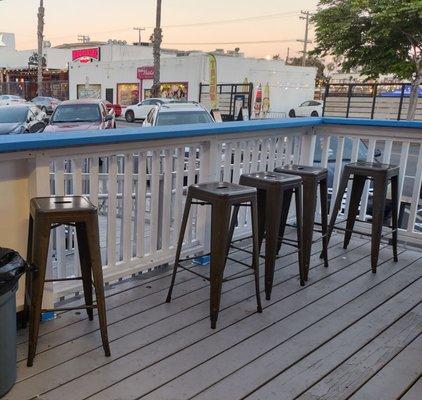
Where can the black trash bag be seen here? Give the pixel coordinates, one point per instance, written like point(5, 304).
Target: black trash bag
point(12, 267)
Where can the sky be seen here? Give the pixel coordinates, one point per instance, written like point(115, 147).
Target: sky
point(272, 20)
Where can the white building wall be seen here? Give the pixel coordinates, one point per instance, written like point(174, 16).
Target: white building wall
point(289, 86)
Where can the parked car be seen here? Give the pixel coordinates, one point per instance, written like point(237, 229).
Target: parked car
point(84, 114)
point(117, 108)
point(46, 104)
point(176, 113)
point(9, 99)
point(21, 118)
point(141, 110)
point(310, 108)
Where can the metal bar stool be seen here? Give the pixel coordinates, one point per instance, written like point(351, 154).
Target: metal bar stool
point(381, 175)
point(222, 197)
point(312, 177)
point(273, 188)
point(47, 213)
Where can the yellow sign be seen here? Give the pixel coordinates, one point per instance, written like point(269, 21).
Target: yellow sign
point(213, 81)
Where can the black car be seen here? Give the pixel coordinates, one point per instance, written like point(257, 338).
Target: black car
point(22, 118)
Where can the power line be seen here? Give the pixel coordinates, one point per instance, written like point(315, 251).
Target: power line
point(234, 42)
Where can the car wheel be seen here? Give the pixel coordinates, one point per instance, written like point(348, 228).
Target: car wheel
point(314, 114)
point(114, 126)
point(130, 116)
point(292, 113)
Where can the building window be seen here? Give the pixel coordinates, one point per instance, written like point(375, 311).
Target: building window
point(171, 90)
point(89, 91)
point(127, 93)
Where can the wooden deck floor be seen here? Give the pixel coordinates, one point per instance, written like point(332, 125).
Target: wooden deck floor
point(349, 334)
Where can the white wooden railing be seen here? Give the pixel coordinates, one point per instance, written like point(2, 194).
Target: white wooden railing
point(139, 185)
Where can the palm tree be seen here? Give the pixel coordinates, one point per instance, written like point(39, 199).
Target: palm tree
point(157, 39)
point(40, 34)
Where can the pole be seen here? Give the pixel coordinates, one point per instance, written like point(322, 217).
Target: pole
point(305, 15)
point(139, 33)
point(287, 55)
point(40, 34)
point(158, 37)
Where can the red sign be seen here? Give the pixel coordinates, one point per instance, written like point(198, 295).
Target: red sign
point(145, 73)
point(86, 55)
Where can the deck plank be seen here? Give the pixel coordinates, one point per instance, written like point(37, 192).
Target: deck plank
point(401, 372)
point(167, 351)
point(132, 346)
point(415, 392)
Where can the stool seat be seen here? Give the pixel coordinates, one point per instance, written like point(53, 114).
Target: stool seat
point(367, 168)
point(217, 190)
point(302, 170)
point(62, 204)
point(265, 179)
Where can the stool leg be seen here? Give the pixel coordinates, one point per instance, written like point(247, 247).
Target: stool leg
point(39, 253)
point(395, 209)
point(85, 261)
point(299, 229)
point(179, 244)
point(324, 219)
point(220, 220)
point(310, 193)
point(273, 210)
point(255, 252)
point(232, 227)
point(378, 207)
point(97, 273)
point(261, 199)
point(287, 198)
point(337, 205)
point(355, 196)
point(28, 275)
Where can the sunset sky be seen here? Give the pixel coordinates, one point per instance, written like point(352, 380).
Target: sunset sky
point(272, 20)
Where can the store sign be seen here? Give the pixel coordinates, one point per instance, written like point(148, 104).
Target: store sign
point(145, 73)
point(86, 55)
point(213, 81)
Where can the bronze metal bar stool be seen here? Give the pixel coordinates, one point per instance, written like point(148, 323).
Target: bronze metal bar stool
point(381, 175)
point(47, 213)
point(222, 196)
point(312, 177)
point(273, 188)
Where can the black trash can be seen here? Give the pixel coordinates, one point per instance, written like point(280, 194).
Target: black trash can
point(12, 266)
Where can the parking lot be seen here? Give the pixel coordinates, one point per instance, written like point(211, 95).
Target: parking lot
point(121, 123)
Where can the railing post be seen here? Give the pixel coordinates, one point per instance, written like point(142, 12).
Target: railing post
point(209, 171)
point(307, 148)
point(39, 186)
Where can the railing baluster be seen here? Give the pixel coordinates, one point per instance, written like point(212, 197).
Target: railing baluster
point(126, 240)
point(60, 231)
point(141, 204)
point(111, 211)
point(178, 201)
point(167, 194)
point(191, 181)
point(416, 195)
point(365, 195)
point(337, 170)
point(227, 162)
point(77, 191)
point(155, 198)
point(353, 158)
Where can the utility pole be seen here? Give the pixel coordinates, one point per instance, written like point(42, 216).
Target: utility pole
point(305, 15)
point(157, 39)
point(40, 34)
point(84, 39)
point(139, 33)
point(287, 56)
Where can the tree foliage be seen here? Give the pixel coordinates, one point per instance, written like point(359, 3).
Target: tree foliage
point(376, 36)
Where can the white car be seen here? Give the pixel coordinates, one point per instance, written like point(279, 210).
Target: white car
point(9, 99)
point(310, 108)
point(141, 110)
point(175, 113)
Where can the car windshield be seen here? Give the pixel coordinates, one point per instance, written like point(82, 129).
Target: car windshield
point(182, 117)
point(11, 115)
point(76, 113)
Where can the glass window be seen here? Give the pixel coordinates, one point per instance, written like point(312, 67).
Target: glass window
point(305, 104)
point(89, 91)
point(185, 117)
point(9, 115)
point(77, 113)
point(127, 94)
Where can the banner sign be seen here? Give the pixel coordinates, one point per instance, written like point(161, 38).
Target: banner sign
point(213, 81)
point(86, 55)
point(145, 72)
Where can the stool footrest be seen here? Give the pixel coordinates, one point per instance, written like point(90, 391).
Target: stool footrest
point(63, 279)
point(69, 308)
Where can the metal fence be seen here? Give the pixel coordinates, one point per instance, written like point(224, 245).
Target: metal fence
point(28, 90)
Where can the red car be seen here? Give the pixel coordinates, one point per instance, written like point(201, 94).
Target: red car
point(77, 115)
point(116, 107)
